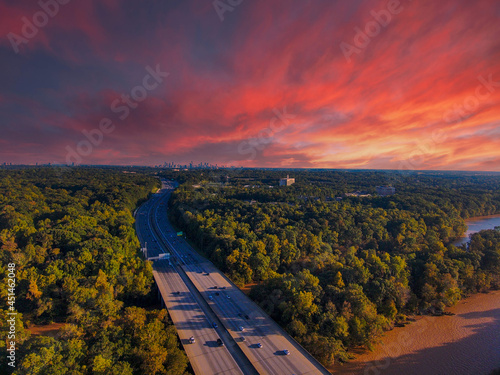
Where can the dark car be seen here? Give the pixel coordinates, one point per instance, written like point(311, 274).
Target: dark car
point(215, 325)
point(219, 342)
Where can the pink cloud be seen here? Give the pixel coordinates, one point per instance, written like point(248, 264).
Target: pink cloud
point(420, 74)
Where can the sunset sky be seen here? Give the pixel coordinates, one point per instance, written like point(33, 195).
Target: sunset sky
point(259, 83)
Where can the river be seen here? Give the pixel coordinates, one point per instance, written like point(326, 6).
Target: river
point(467, 343)
point(464, 344)
point(476, 224)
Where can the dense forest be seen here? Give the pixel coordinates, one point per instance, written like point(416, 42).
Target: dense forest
point(70, 233)
point(335, 269)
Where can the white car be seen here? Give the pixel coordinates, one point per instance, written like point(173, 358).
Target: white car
point(286, 352)
point(192, 340)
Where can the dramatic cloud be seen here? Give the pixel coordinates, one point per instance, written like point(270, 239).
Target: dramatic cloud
point(288, 83)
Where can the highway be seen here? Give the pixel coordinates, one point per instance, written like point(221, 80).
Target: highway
point(207, 296)
point(205, 355)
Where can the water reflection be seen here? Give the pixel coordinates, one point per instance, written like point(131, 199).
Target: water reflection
point(476, 224)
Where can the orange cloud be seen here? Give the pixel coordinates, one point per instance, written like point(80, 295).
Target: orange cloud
point(423, 93)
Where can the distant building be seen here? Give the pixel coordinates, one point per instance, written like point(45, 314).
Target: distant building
point(360, 194)
point(287, 181)
point(385, 190)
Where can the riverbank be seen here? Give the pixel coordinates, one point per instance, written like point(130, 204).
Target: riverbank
point(466, 343)
point(477, 224)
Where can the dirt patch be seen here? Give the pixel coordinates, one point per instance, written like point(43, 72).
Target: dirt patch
point(246, 289)
point(46, 329)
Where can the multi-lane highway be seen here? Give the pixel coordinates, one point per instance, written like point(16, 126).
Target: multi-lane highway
point(205, 354)
point(201, 298)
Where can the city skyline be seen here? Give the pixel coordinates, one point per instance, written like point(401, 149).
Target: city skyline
point(400, 85)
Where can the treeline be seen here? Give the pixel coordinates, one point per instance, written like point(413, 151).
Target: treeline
point(70, 233)
point(337, 272)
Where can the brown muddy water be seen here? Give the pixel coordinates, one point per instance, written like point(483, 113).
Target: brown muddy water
point(467, 343)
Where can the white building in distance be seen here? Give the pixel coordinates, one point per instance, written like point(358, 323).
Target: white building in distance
point(385, 190)
point(287, 181)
